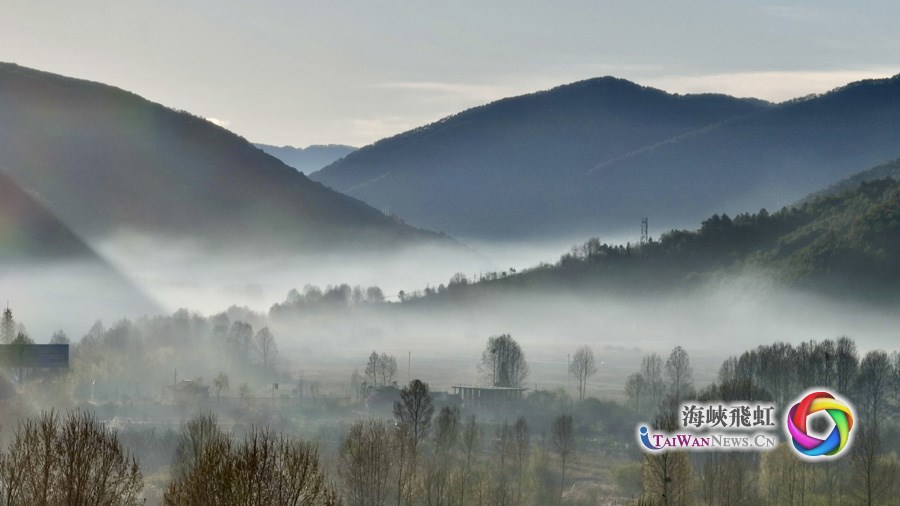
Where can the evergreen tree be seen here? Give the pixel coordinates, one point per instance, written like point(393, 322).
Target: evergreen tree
point(7, 327)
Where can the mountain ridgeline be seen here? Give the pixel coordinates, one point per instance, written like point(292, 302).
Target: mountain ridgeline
point(846, 243)
point(308, 159)
point(595, 156)
point(883, 171)
point(106, 160)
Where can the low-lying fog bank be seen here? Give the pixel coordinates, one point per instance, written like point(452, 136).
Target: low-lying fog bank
point(441, 339)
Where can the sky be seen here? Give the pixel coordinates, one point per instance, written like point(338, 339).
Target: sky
point(352, 72)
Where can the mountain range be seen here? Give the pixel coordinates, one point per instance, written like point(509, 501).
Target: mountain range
point(308, 159)
point(596, 156)
point(104, 161)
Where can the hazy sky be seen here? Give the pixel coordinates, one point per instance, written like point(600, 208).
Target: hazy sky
point(300, 73)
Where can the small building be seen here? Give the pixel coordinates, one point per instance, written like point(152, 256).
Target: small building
point(189, 391)
point(34, 356)
point(481, 397)
point(31, 360)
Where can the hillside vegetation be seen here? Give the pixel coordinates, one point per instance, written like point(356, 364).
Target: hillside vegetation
point(846, 243)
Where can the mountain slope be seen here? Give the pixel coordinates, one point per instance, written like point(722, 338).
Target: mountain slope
point(108, 160)
point(847, 243)
point(769, 159)
point(51, 276)
point(886, 170)
point(308, 159)
point(594, 157)
point(508, 168)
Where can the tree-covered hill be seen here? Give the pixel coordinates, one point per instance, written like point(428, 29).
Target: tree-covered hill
point(108, 160)
point(886, 170)
point(847, 242)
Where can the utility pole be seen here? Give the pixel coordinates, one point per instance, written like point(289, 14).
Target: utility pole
point(409, 366)
point(568, 368)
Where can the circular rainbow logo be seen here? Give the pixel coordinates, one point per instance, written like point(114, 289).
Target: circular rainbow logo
point(811, 446)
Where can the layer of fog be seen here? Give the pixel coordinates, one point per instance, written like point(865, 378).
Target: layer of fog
point(722, 318)
point(70, 297)
point(441, 341)
point(187, 275)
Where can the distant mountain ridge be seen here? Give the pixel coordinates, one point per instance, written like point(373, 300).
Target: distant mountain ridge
point(107, 160)
point(594, 157)
point(308, 159)
point(506, 169)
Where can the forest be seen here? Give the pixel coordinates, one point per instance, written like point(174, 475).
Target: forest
point(375, 440)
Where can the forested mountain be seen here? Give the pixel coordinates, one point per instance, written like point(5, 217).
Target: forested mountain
point(846, 243)
point(511, 168)
point(308, 159)
point(769, 159)
point(594, 157)
point(885, 170)
point(105, 160)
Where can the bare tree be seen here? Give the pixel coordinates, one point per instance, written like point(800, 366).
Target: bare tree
point(76, 461)
point(372, 369)
point(59, 337)
point(875, 475)
point(678, 369)
point(564, 444)
point(244, 394)
point(263, 469)
point(220, 384)
point(635, 388)
point(503, 363)
point(197, 436)
point(471, 442)
point(521, 443)
point(241, 337)
point(413, 413)
point(667, 475)
point(414, 410)
point(582, 367)
point(727, 479)
point(366, 463)
point(783, 477)
point(873, 386)
point(652, 371)
point(446, 437)
point(846, 364)
point(501, 493)
point(387, 368)
point(265, 341)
